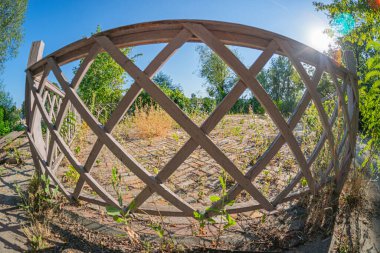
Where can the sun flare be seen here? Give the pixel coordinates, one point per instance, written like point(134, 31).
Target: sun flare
point(319, 40)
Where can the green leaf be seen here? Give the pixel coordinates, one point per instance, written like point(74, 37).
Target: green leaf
point(118, 219)
point(214, 198)
point(111, 210)
point(197, 215)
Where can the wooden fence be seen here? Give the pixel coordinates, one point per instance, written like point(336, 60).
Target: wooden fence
point(48, 105)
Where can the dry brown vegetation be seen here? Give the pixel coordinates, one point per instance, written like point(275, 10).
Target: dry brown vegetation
point(152, 122)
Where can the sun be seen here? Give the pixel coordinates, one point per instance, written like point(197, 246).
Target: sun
point(319, 40)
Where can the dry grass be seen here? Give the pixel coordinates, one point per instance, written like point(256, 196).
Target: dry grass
point(37, 234)
point(152, 122)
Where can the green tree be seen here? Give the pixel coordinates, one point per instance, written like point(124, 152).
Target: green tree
point(356, 26)
point(164, 80)
point(353, 23)
point(9, 114)
point(219, 77)
point(370, 106)
point(12, 13)
point(103, 85)
point(282, 83)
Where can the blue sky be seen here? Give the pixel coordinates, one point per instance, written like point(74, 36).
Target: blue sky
point(58, 23)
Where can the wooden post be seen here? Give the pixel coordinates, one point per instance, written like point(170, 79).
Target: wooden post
point(353, 118)
point(35, 55)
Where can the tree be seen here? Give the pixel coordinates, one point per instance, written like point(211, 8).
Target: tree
point(102, 86)
point(282, 83)
point(9, 114)
point(362, 38)
point(219, 77)
point(166, 84)
point(354, 23)
point(12, 14)
point(164, 80)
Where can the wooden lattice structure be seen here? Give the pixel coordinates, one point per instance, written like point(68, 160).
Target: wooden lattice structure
point(51, 105)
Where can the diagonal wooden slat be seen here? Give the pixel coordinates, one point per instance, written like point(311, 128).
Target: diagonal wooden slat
point(181, 118)
point(130, 97)
point(208, 125)
point(209, 39)
point(63, 110)
point(66, 150)
point(114, 146)
point(279, 198)
point(315, 97)
point(42, 107)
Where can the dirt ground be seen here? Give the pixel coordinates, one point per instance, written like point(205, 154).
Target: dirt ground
point(86, 228)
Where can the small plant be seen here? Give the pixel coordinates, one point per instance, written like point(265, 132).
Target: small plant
point(203, 217)
point(77, 150)
point(236, 131)
point(38, 202)
point(176, 137)
point(157, 228)
point(71, 176)
point(39, 198)
point(303, 182)
point(121, 214)
point(37, 235)
point(116, 184)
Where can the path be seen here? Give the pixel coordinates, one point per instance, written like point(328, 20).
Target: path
point(12, 238)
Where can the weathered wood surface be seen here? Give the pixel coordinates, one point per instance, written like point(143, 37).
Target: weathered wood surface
point(47, 157)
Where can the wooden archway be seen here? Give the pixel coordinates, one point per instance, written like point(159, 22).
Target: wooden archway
point(216, 35)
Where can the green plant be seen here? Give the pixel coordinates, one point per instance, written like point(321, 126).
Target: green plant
point(176, 137)
point(77, 150)
point(236, 131)
point(157, 228)
point(39, 198)
point(71, 175)
point(119, 214)
point(38, 201)
point(303, 182)
point(369, 108)
point(203, 217)
point(37, 234)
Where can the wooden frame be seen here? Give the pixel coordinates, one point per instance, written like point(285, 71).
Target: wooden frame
point(216, 35)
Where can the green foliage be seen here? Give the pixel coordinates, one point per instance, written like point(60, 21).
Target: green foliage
point(39, 198)
point(366, 28)
point(370, 106)
point(9, 114)
point(204, 219)
point(363, 40)
point(282, 83)
point(12, 14)
point(218, 75)
point(102, 86)
point(71, 175)
point(364, 15)
point(120, 215)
